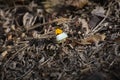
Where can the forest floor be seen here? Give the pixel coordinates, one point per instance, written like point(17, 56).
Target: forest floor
point(29, 49)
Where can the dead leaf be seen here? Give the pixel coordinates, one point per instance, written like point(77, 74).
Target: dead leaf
point(51, 5)
point(94, 20)
point(93, 39)
point(4, 53)
point(2, 13)
point(79, 3)
point(32, 5)
point(61, 20)
point(23, 35)
point(28, 20)
point(7, 30)
point(13, 27)
point(9, 37)
point(117, 40)
point(84, 25)
point(99, 11)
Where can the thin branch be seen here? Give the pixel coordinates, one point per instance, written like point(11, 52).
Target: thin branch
point(97, 28)
point(51, 22)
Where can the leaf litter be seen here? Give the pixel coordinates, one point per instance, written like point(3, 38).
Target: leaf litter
point(28, 46)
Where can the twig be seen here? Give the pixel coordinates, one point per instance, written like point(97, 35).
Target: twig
point(39, 24)
point(43, 36)
point(28, 72)
point(49, 59)
point(111, 64)
point(31, 69)
point(14, 55)
point(97, 28)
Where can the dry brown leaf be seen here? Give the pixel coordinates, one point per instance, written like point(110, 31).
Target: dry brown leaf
point(13, 27)
point(117, 40)
point(79, 3)
point(93, 39)
point(84, 25)
point(28, 20)
point(86, 70)
point(88, 40)
point(61, 20)
point(9, 37)
point(23, 35)
point(99, 11)
point(4, 53)
point(51, 5)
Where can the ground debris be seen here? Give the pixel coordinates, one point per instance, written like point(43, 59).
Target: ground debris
point(29, 49)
